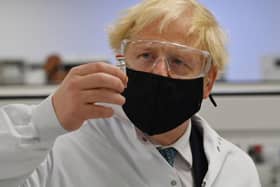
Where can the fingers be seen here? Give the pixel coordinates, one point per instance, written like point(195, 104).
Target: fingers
point(88, 111)
point(85, 85)
point(97, 67)
point(102, 95)
point(101, 80)
point(97, 111)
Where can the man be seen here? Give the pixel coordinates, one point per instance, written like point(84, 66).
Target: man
point(172, 51)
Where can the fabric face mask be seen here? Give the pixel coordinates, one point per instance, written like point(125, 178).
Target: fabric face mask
point(157, 104)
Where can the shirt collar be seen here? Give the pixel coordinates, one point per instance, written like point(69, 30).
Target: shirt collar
point(182, 145)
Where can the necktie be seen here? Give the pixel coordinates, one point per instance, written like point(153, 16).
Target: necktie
point(169, 154)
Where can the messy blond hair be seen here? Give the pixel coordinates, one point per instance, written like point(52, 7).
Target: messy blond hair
point(201, 26)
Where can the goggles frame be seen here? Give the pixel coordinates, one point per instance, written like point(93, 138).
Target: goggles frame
point(206, 54)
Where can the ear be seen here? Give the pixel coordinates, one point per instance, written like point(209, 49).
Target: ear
point(209, 81)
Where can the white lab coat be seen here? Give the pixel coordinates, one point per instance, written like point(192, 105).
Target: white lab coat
point(104, 152)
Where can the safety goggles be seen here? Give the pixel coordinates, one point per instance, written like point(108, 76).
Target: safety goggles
point(182, 62)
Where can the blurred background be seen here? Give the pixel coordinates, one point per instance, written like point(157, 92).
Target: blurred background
point(41, 40)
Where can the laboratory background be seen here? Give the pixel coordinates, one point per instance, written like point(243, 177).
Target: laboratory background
point(40, 41)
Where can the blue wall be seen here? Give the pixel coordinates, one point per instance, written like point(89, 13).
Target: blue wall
point(253, 27)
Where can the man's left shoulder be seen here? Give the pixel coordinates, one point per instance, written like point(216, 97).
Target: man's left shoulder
point(239, 166)
point(238, 158)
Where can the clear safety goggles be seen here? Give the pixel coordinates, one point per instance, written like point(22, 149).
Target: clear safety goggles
point(182, 62)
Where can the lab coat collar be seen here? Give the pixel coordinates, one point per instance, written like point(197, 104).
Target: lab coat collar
point(215, 147)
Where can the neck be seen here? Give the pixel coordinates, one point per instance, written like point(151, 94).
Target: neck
point(171, 136)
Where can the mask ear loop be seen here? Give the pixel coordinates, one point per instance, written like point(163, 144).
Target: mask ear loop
point(210, 96)
point(212, 100)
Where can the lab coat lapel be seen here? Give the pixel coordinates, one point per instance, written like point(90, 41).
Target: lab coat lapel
point(215, 148)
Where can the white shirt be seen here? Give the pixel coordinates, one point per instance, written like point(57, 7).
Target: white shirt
point(183, 160)
point(104, 152)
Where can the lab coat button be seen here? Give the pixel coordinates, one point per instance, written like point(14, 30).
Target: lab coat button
point(173, 183)
point(203, 184)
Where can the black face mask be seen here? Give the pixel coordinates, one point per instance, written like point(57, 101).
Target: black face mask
point(157, 104)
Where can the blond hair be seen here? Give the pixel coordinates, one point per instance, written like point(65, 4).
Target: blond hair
point(201, 26)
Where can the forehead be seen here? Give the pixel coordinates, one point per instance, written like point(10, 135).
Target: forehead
point(172, 32)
